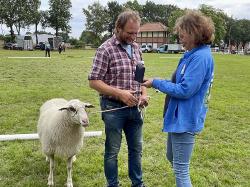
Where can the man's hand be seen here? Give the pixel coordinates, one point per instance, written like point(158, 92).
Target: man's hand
point(127, 97)
point(147, 83)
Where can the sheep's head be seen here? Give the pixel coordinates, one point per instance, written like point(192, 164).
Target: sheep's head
point(76, 111)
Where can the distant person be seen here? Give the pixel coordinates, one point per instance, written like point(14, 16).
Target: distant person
point(63, 46)
point(60, 48)
point(188, 92)
point(47, 49)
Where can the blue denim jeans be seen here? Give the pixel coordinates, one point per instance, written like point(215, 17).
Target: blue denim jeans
point(179, 151)
point(128, 120)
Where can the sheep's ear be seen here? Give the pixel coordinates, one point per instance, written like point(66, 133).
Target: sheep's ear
point(64, 108)
point(88, 105)
point(70, 108)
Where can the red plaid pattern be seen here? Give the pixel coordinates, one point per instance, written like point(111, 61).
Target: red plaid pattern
point(114, 67)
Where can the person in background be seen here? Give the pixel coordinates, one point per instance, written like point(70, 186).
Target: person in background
point(63, 46)
point(112, 75)
point(47, 49)
point(60, 48)
point(188, 92)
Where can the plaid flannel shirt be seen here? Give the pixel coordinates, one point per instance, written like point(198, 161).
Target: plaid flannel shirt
point(114, 66)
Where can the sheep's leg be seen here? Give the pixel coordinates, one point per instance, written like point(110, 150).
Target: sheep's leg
point(69, 171)
point(74, 158)
point(51, 169)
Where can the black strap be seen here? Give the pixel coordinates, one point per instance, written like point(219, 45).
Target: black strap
point(167, 98)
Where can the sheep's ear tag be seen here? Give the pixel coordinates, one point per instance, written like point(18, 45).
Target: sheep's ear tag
point(88, 105)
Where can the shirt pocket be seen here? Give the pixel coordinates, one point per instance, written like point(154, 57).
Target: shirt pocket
point(121, 67)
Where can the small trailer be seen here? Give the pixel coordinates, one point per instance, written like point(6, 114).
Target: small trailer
point(55, 42)
point(24, 42)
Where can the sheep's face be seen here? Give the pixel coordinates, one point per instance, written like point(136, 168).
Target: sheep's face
point(77, 113)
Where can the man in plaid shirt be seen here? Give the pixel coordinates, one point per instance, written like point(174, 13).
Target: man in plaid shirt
point(112, 75)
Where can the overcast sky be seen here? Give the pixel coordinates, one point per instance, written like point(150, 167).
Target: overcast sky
point(238, 9)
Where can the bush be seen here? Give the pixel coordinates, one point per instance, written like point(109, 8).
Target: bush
point(6, 38)
point(77, 43)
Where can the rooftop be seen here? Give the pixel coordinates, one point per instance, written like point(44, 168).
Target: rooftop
point(153, 27)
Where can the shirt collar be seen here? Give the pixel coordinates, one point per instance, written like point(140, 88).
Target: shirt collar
point(117, 42)
point(188, 53)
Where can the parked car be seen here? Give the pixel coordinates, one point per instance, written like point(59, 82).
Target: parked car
point(41, 46)
point(10, 45)
point(247, 52)
point(146, 48)
point(37, 46)
point(233, 51)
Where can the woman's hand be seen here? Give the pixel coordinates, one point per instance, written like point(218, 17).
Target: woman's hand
point(147, 83)
point(143, 101)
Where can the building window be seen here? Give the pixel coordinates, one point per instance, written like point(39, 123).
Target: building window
point(160, 34)
point(155, 34)
point(150, 34)
point(144, 34)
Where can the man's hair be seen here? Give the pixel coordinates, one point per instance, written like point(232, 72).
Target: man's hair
point(124, 17)
point(196, 24)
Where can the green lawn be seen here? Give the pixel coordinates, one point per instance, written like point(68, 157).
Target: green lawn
point(222, 152)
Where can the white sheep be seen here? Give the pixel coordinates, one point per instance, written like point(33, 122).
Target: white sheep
point(60, 129)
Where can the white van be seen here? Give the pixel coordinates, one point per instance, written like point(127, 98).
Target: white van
point(170, 48)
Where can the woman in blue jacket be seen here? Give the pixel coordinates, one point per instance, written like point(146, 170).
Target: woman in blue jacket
point(188, 92)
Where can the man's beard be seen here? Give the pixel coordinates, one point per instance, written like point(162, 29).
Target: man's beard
point(125, 42)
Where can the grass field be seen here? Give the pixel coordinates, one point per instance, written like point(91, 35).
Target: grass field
point(222, 152)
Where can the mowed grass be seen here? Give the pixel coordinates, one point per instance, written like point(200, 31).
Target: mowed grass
point(222, 151)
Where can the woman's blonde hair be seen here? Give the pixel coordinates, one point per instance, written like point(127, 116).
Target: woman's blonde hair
point(124, 17)
point(196, 24)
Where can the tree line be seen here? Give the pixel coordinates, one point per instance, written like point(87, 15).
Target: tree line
point(17, 14)
point(101, 21)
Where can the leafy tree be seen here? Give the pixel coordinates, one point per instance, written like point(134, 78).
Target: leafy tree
point(26, 13)
point(36, 20)
point(76, 43)
point(1, 37)
point(34, 16)
point(8, 14)
point(152, 12)
point(235, 33)
point(59, 15)
point(96, 19)
point(21, 15)
point(171, 23)
point(133, 5)
point(113, 10)
point(73, 41)
point(218, 17)
point(89, 37)
point(44, 19)
point(245, 31)
point(64, 35)
point(229, 23)
point(17, 13)
point(239, 32)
